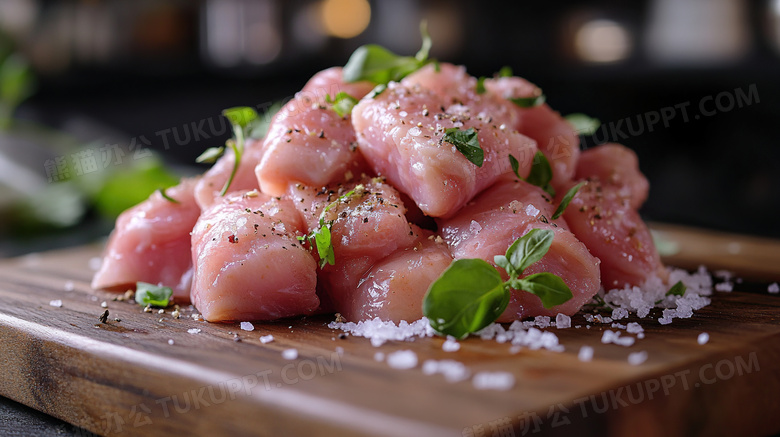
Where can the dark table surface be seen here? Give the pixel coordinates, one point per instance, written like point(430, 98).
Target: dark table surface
point(17, 420)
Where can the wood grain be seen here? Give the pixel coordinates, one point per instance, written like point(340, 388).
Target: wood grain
point(124, 378)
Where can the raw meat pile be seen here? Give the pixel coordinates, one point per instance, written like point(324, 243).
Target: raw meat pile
point(416, 203)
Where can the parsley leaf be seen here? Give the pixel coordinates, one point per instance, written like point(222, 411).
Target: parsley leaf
point(240, 118)
point(154, 295)
point(677, 289)
point(210, 155)
point(505, 71)
point(583, 124)
point(567, 199)
point(467, 143)
point(342, 104)
point(470, 294)
point(166, 196)
point(481, 85)
point(321, 237)
point(528, 102)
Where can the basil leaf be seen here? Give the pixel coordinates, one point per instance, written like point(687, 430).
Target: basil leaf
point(481, 85)
point(468, 296)
point(677, 289)
point(467, 143)
point(210, 155)
point(376, 64)
point(548, 287)
point(342, 104)
point(583, 124)
point(324, 246)
point(566, 199)
point(515, 166)
point(154, 295)
point(166, 196)
point(529, 248)
point(240, 116)
point(503, 262)
point(541, 173)
point(528, 102)
point(505, 71)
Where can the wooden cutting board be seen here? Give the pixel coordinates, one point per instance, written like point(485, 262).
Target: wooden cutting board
point(147, 375)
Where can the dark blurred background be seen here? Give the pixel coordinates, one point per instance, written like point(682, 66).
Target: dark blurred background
point(118, 97)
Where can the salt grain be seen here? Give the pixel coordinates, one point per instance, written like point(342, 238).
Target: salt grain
point(403, 359)
point(634, 328)
point(773, 288)
point(450, 345)
point(453, 371)
point(637, 358)
point(493, 381)
point(170, 341)
point(290, 354)
point(247, 326)
point(562, 321)
point(615, 338)
point(379, 332)
point(379, 356)
point(69, 286)
point(266, 339)
point(542, 321)
point(585, 354)
point(193, 331)
point(619, 313)
point(703, 338)
point(55, 303)
point(724, 287)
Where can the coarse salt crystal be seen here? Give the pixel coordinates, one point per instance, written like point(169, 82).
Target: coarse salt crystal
point(703, 338)
point(773, 288)
point(724, 286)
point(450, 345)
point(475, 227)
point(403, 359)
point(170, 341)
point(637, 358)
point(562, 321)
point(531, 210)
point(615, 338)
point(247, 326)
point(290, 354)
point(453, 371)
point(585, 354)
point(619, 313)
point(69, 286)
point(193, 331)
point(379, 331)
point(542, 321)
point(55, 303)
point(266, 339)
point(634, 328)
point(379, 356)
point(493, 381)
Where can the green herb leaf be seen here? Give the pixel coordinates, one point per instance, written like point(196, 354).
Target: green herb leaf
point(322, 239)
point(240, 117)
point(481, 85)
point(529, 249)
point(583, 124)
point(566, 199)
point(528, 102)
point(16, 84)
point(210, 155)
point(677, 289)
point(467, 143)
point(515, 165)
point(541, 173)
point(505, 71)
point(375, 63)
point(468, 296)
point(379, 89)
point(166, 196)
point(342, 104)
point(154, 295)
point(548, 287)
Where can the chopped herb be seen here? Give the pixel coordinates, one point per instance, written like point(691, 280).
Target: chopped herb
point(470, 294)
point(210, 155)
point(166, 196)
point(515, 165)
point(481, 85)
point(375, 63)
point(240, 118)
point(467, 143)
point(379, 89)
point(321, 237)
point(149, 294)
point(677, 289)
point(505, 71)
point(566, 199)
point(528, 102)
point(540, 174)
point(583, 124)
point(342, 104)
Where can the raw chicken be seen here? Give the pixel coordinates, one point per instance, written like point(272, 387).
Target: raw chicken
point(617, 167)
point(249, 264)
point(505, 212)
point(401, 133)
point(211, 183)
point(151, 243)
point(308, 142)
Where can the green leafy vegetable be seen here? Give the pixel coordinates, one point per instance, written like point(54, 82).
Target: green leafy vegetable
point(321, 237)
point(376, 64)
point(210, 155)
point(481, 85)
point(566, 200)
point(342, 104)
point(540, 174)
point(677, 289)
point(166, 196)
point(583, 124)
point(467, 143)
point(16, 84)
point(125, 187)
point(240, 118)
point(154, 295)
point(528, 102)
point(505, 71)
point(470, 294)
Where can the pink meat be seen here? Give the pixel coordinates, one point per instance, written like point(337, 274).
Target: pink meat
point(400, 133)
point(308, 142)
point(554, 136)
point(151, 243)
point(507, 211)
point(211, 183)
point(617, 167)
point(248, 262)
point(616, 234)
